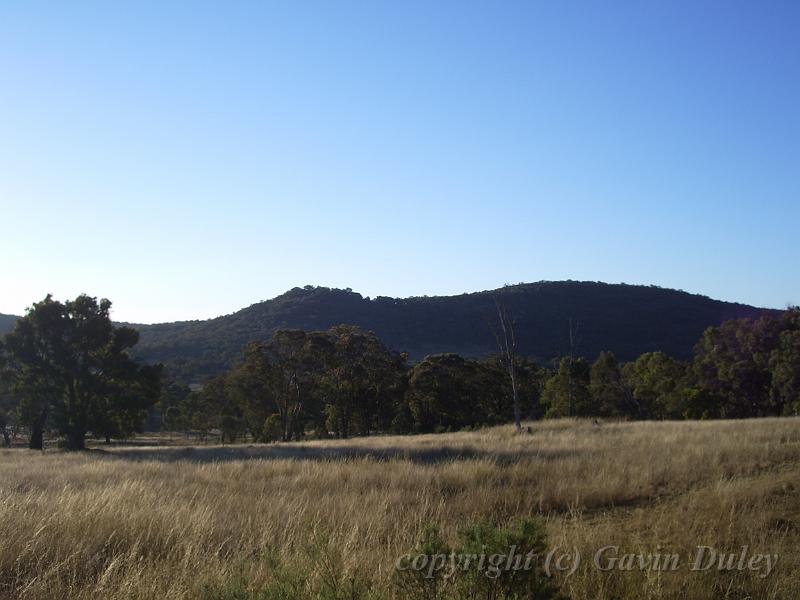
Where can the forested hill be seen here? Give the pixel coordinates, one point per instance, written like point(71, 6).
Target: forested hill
point(6, 323)
point(627, 319)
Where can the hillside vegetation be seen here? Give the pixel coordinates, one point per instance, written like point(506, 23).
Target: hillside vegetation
point(625, 319)
point(66, 369)
point(329, 519)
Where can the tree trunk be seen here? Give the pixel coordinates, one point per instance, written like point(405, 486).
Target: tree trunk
point(36, 441)
point(76, 426)
point(76, 440)
point(285, 429)
point(507, 345)
point(515, 396)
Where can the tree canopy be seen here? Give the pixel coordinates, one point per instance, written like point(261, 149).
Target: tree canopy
point(68, 365)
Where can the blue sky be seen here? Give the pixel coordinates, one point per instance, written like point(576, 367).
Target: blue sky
point(189, 159)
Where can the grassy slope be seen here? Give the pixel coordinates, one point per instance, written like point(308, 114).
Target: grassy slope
point(147, 523)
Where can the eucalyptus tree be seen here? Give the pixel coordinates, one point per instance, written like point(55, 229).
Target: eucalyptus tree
point(69, 365)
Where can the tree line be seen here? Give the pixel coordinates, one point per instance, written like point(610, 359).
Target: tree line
point(344, 382)
point(66, 368)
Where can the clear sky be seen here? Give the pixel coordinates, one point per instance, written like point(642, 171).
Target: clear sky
point(189, 159)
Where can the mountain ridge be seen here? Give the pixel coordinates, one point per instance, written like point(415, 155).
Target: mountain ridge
point(627, 319)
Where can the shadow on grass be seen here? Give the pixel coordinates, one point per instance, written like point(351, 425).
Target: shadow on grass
point(330, 454)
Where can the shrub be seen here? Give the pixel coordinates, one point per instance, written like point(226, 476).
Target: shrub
point(490, 562)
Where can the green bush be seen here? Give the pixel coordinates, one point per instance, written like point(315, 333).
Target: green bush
point(273, 429)
point(422, 584)
point(490, 563)
point(317, 573)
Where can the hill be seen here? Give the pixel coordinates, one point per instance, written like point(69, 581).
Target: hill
point(6, 323)
point(627, 319)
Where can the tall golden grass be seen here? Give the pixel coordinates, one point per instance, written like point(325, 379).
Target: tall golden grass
point(186, 522)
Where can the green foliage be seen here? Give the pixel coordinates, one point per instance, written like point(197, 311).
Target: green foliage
point(446, 392)
point(170, 404)
point(785, 368)
point(67, 367)
point(566, 394)
point(751, 368)
point(273, 430)
point(224, 409)
point(531, 379)
point(276, 379)
point(784, 365)
point(610, 396)
point(343, 381)
point(425, 583)
point(490, 562)
point(442, 392)
point(659, 386)
point(6, 411)
point(68, 364)
point(234, 587)
point(359, 378)
point(318, 572)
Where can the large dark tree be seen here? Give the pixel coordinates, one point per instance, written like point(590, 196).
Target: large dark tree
point(68, 363)
point(171, 404)
point(751, 368)
point(659, 386)
point(784, 363)
point(732, 363)
point(447, 392)
point(274, 382)
point(610, 396)
point(28, 356)
point(359, 381)
point(222, 408)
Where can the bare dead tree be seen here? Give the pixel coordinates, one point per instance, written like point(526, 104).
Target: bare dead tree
point(507, 346)
point(573, 342)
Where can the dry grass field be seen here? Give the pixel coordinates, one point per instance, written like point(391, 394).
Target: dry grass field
point(330, 518)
